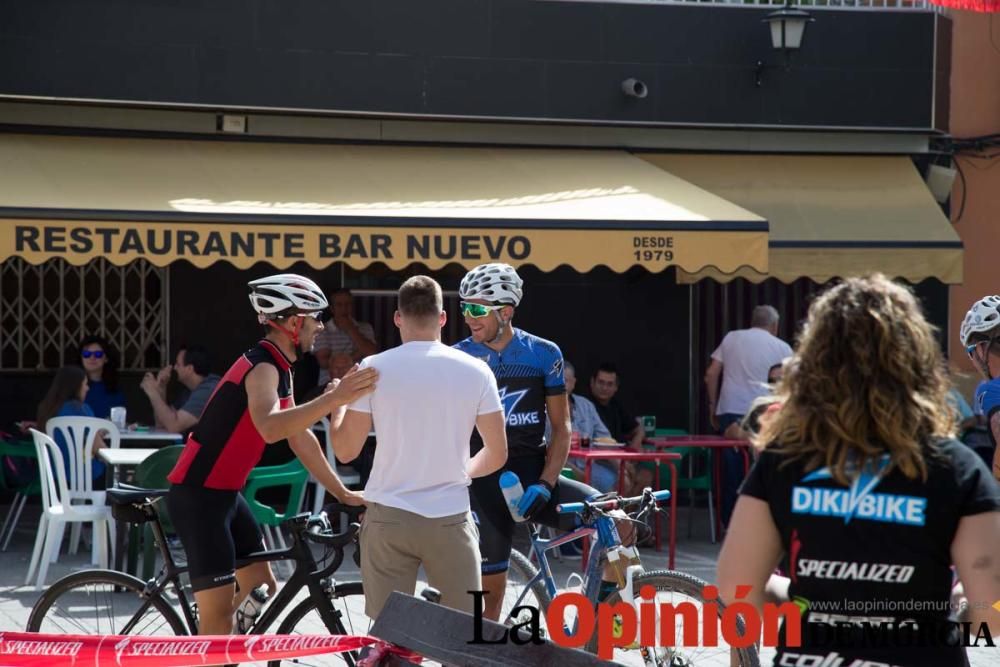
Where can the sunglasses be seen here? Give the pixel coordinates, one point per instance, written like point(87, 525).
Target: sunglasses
point(96, 354)
point(477, 310)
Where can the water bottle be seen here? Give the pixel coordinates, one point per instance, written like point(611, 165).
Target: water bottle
point(248, 612)
point(510, 486)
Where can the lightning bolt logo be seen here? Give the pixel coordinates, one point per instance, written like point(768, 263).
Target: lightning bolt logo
point(862, 486)
point(510, 400)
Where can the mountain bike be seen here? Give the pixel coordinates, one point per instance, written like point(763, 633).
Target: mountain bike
point(529, 586)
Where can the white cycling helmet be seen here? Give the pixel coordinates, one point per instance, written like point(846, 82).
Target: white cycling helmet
point(497, 283)
point(984, 316)
point(285, 294)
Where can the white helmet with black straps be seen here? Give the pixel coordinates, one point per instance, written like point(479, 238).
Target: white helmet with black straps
point(983, 317)
point(285, 294)
point(496, 283)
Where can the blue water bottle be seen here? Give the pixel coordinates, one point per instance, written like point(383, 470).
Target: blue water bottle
point(510, 486)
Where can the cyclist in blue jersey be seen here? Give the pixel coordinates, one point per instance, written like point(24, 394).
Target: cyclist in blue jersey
point(980, 333)
point(529, 372)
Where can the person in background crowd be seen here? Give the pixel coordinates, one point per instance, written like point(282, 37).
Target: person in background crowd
point(66, 398)
point(429, 400)
point(342, 333)
point(862, 485)
point(585, 422)
point(742, 361)
point(193, 367)
point(604, 385)
point(979, 333)
point(102, 375)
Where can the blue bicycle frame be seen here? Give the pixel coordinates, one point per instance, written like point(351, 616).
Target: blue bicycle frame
point(607, 537)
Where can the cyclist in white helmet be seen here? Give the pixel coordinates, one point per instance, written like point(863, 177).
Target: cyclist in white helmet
point(252, 405)
point(980, 334)
point(529, 372)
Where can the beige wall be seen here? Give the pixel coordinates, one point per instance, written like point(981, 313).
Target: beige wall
point(975, 111)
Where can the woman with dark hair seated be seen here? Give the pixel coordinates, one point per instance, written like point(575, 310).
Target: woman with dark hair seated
point(65, 398)
point(98, 360)
point(862, 485)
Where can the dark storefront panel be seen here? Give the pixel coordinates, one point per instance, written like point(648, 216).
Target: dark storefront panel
point(482, 58)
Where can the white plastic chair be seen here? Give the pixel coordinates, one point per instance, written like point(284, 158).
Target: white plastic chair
point(348, 475)
point(79, 433)
point(58, 510)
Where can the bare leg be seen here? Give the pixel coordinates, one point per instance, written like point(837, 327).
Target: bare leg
point(494, 586)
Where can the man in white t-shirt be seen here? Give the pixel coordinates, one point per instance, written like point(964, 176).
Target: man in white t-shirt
point(428, 400)
point(742, 360)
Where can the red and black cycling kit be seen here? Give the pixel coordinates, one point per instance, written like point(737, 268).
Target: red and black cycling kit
point(209, 514)
point(225, 446)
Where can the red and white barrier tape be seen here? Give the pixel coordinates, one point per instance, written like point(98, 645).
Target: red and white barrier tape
point(27, 649)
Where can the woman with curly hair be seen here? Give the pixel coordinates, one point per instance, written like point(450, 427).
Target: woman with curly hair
point(863, 488)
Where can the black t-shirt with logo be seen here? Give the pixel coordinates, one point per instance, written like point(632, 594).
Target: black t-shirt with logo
point(876, 552)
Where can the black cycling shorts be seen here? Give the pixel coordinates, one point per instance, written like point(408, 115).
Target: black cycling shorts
point(216, 527)
point(496, 525)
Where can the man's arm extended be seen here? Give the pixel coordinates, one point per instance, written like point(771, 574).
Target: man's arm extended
point(305, 446)
point(275, 424)
point(557, 452)
point(493, 455)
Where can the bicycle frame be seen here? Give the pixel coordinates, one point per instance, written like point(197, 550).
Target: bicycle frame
point(305, 575)
point(606, 537)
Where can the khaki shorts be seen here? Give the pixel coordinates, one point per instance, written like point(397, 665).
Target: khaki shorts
point(395, 543)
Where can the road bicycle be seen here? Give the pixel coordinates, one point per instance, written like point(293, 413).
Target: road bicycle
point(97, 601)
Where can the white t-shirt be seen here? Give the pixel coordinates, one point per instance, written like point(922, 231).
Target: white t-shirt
point(424, 409)
point(746, 356)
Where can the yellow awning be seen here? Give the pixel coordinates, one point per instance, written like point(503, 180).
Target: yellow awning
point(830, 216)
point(244, 202)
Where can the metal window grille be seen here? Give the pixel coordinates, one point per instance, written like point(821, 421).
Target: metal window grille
point(46, 309)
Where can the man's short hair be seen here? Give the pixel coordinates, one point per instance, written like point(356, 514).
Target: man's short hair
point(341, 290)
point(764, 316)
point(569, 367)
point(197, 356)
point(420, 297)
point(608, 367)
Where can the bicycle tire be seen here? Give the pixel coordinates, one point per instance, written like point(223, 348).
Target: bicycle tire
point(45, 616)
point(670, 581)
point(520, 563)
point(297, 618)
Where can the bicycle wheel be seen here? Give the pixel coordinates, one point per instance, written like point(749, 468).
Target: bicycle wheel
point(103, 602)
point(521, 571)
point(676, 588)
point(348, 599)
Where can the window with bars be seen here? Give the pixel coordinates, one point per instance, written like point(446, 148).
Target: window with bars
point(45, 310)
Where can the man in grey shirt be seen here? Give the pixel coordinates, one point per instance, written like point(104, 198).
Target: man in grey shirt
point(193, 367)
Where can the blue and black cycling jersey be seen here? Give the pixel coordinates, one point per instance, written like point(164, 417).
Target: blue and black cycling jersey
point(988, 401)
point(528, 370)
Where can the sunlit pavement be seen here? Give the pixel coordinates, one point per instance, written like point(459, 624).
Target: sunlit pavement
point(695, 556)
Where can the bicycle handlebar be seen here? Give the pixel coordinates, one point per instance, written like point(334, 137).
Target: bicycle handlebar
point(659, 497)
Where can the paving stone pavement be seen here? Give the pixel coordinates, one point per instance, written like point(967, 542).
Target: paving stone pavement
point(696, 556)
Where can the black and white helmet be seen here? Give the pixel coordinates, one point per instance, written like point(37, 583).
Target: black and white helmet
point(285, 294)
point(496, 283)
point(984, 316)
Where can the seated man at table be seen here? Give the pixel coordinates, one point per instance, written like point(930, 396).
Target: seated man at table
point(623, 426)
point(193, 367)
point(585, 422)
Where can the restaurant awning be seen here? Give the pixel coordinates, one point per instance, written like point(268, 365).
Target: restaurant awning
point(243, 202)
point(830, 216)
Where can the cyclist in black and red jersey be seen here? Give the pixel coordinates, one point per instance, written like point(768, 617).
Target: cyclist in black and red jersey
point(252, 406)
